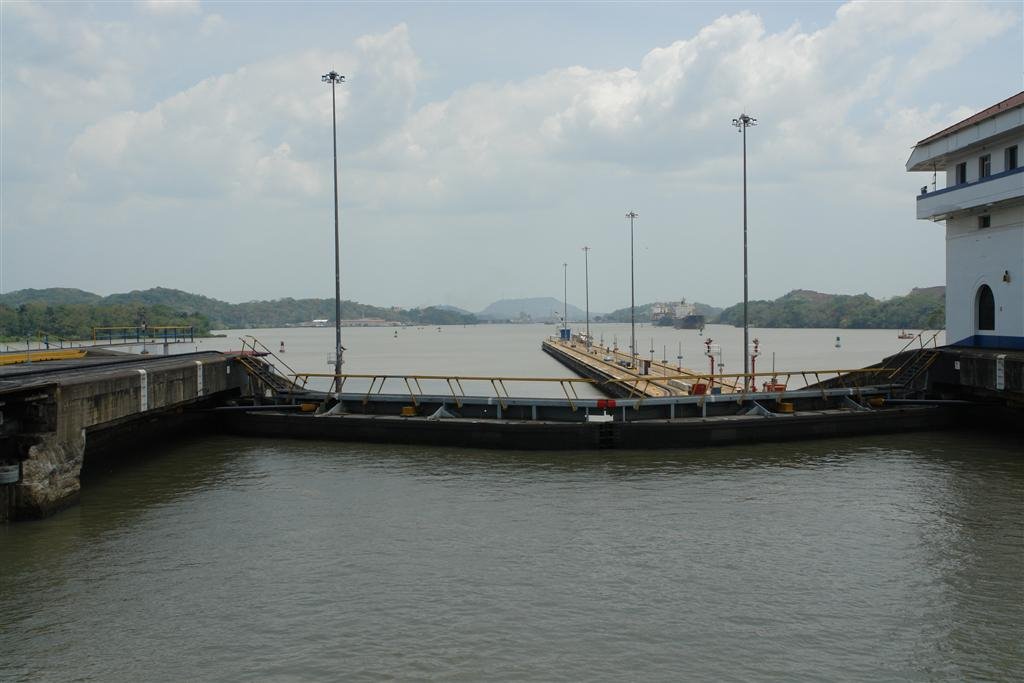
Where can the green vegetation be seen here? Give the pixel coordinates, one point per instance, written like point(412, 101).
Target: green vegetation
point(72, 313)
point(76, 321)
point(920, 309)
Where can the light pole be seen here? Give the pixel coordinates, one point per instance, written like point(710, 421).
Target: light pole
point(742, 123)
point(632, 215)
point(334, 78)
point(586, 280)
point(565, 296)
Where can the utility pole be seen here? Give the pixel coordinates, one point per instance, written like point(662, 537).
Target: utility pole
point(334, 78)
point(632, 215)
point(742, 123)
point(565, 296)
point(586, 279)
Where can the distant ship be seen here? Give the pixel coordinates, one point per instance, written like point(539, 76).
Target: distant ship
point(694, 321)
point(682, 316)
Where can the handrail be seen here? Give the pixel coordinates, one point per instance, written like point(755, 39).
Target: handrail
point(776, 373)
point(252, 344)
point(48, 339)
point(256, 341)
point(501, 392)
point(917, 337)
point(923, 344)
point(467, 378)
point(741, 394)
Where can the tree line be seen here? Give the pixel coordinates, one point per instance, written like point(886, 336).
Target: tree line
point(920, 309)
point(36, 320)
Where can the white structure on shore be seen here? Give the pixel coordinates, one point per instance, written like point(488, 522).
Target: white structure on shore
point(983, 207)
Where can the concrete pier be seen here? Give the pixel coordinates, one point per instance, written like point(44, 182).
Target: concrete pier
point(51, 413)
point(614, 370)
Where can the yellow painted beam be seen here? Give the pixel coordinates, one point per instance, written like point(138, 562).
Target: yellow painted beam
point(41, 355)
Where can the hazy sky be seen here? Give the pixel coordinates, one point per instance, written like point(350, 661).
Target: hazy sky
point(482, 145)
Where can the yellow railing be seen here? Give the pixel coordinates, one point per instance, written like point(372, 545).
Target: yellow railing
point(919, 337)
point(740, 388)
point(454, 383)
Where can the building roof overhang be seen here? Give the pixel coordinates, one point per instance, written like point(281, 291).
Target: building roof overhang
point(989, 126)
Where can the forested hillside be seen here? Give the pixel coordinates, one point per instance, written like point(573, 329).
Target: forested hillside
point(920, 309)
point(73, 312)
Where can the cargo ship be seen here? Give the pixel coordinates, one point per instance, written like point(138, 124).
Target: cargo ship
point(682, 316)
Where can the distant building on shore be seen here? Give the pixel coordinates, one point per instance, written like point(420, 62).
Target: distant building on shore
point(982, 205)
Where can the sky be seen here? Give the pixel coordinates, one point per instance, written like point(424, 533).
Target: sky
point(483, 145)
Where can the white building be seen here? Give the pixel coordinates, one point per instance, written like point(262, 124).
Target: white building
point(982, 205)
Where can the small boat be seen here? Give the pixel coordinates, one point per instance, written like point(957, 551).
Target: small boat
point(905, 335)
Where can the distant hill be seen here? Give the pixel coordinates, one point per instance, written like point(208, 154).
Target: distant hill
point(541, 309)
point(452, 309)
point(53, 296)
point(643, 313)
point(223, 315)
point(921, 308)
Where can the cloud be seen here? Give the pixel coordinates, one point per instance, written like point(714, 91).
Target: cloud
point(212, 23)
point(821, 97)
point(839, 107)
point(255, 132)
point(170, 7)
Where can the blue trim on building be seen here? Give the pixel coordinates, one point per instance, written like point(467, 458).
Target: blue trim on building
point(993, 341)
point(961, 186)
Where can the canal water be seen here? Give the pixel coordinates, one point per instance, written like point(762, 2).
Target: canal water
point(234, 559)
point(514, 351)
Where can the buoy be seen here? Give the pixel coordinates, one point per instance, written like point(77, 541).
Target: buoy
point(396, 334)
point(838, 343)
point(281, 350)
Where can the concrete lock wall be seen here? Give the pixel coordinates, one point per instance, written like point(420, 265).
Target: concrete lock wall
point(50, 474)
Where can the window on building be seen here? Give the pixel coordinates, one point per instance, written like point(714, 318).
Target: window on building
point(984, 221)
point(961, 173)
point(984, 166)
point(986, 308)
point(1010, 157)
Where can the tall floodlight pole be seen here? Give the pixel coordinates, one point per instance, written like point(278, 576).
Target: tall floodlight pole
point(632, 215)
point(586, 280)
point(565, 296)
point(742, 123)
point(334, 78)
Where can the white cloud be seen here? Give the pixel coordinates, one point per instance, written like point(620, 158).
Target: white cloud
point(170, 7)
point(837, 106)
point(212, 24)
point(511, 140)
point(256, 131)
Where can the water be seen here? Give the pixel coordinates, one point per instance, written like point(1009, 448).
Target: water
point(514, 351)
point(234, 559)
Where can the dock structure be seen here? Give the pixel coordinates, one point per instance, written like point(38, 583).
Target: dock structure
point(56, 413)
point(60, 414)
point(617, 376)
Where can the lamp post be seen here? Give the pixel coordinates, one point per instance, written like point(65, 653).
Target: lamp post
point(632, 215)
point(334, 78)
point(565, 296)
point(586, 280)
point(743, 122)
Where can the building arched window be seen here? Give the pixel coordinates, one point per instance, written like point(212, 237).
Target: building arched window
point(986, 308)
